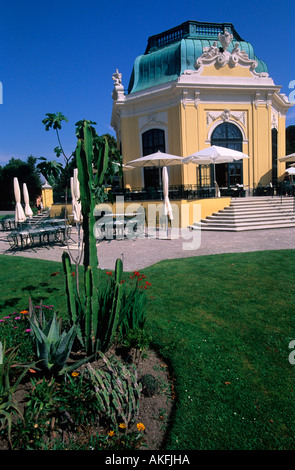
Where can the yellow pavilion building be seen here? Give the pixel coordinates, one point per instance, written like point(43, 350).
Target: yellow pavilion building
point(196, 85)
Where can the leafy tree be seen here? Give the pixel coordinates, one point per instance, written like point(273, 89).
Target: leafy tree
point(54, 172)
point(59, 176)
point(26, 172)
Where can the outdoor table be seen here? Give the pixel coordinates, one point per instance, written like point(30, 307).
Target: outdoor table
point(37, 234)
point(117, 224)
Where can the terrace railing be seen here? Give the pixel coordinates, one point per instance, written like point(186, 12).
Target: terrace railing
point(189, 29)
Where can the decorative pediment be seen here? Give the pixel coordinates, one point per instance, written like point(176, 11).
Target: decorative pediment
point(219, 57)
point(226, 116)
point(153, 119)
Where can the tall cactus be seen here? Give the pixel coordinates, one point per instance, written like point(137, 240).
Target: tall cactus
point(97, 324)
point(86, 158)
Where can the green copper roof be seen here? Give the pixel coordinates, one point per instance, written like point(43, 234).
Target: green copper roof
point(169, 53)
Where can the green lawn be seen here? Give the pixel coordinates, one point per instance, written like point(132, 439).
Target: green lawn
point(224, 323)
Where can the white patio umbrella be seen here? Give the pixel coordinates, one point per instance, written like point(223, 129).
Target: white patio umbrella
point(197, 160)
point(215, 155)
point(158, 159)
point(19, 212)
point(126, 167)
point(288, 158)
point(76, 193)
point(72, 193)
point(290, 171)
point(28, 210)
point(167, 209)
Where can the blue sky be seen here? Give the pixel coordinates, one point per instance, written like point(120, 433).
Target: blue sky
point(60, 56)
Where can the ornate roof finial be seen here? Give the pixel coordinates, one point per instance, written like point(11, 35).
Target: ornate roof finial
point(117, 77)
point(225, 39)
point(118, 90)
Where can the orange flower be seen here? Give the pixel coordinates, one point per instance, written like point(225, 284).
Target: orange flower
point(75, 374)
point(111, 433)
point(122, 426)
point(140, 426)
point(24, 311)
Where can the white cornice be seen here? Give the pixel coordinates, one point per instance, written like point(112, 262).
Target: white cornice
point(192, 88)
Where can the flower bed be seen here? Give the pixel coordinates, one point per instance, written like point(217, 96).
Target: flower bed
point(83, 408)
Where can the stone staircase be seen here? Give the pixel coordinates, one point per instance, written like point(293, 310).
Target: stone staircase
point(39, 217)
point(251, 213)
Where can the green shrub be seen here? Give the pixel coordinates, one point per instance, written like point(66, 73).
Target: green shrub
point(150, 385)
point(8, 404)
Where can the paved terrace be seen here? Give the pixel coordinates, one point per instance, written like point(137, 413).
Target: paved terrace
point(142, 252)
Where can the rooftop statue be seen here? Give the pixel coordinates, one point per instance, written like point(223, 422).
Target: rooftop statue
point(225, 39)
point(211, 51)
point(118, 90)
point(117, 77)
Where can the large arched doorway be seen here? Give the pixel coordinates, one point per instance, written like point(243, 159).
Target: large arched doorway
point(152, 141)
point(228, 135)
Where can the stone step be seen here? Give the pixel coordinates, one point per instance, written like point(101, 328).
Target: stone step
point(251, 214)
point(261, 198)
point(248, 219)
point(274, 213)
point(240, 229)
point(38, 217)
point(276, 202)
point(254, 199)
point(263, 204)
point(254, 215)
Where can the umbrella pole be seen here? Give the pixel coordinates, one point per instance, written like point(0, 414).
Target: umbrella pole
point(160, 179)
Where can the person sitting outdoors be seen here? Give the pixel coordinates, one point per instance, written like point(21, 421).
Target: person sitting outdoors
point(287, 187)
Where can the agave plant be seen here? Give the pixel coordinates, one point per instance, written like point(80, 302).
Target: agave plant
point(53, 346)
point(8, 405)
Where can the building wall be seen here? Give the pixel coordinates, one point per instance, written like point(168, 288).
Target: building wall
point(190, 109)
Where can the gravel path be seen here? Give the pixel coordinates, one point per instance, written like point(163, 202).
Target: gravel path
point(142, 252)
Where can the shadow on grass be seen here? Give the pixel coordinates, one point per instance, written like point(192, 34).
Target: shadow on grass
point(10, 302)
point(31, 288)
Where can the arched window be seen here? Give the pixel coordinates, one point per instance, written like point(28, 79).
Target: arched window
point(228, 135)
point(152, 141)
